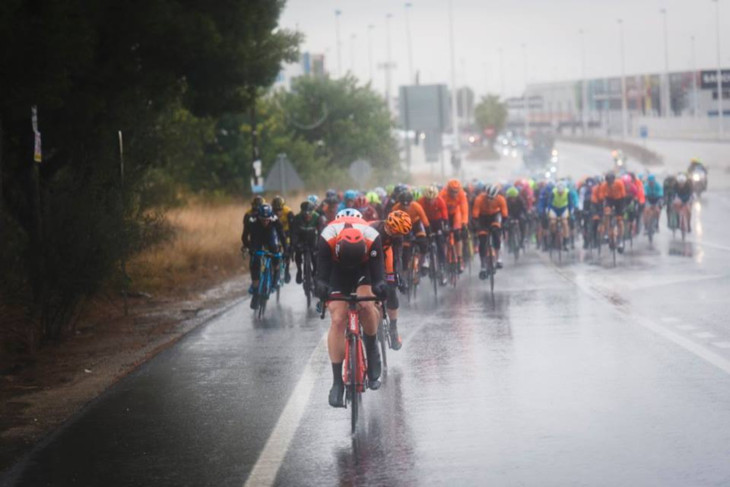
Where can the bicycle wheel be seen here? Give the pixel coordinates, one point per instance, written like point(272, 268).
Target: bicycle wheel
point(433, 269)
point(352, 387)
point(383, 338)
point(490, 268)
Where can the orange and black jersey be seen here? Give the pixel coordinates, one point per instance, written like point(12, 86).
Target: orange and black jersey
point(326, 259)
point(392, 248)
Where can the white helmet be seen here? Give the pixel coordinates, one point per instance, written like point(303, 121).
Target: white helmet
point(681, 178)
point(492, 190)
point(351, 212)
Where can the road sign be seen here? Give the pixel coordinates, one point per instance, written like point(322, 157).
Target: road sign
point(360, 171)
point(283, 177)
point(644, 131)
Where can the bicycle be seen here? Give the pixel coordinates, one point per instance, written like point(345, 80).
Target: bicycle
point(514, 238)
point(355, 371)
point(308, 280)
point(683, 211)
point(452, 260)
point(384, 336)
point(556, 237)
point(651, 220)
point(412, 271)
point(611, 227)
point(433, 269)
point(266, 279)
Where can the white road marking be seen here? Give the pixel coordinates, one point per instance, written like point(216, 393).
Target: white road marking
point(721, 344)
point(709, 244)
point(271, 457)
point(686, 327)
point(698, 350)
point(704, 334)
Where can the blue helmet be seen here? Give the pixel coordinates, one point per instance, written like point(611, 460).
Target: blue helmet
point(350, 194)
point(265, 212)
point(313, 198)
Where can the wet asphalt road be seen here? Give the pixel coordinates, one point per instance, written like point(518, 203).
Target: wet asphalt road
point(574, 374)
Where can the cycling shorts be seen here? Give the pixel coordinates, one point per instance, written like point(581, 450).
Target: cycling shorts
point(557, 212)
point(617, 205)
point(346, 281)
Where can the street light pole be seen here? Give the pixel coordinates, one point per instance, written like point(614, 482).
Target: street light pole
point(388, 61)
point(720, 128)
point(370, 51)
point(337, 41)
point(584, 84)
point(454, 115)
point(411, 79)
point(502, 93)
point(666, 89)
point(694, 79)
point(527, 96)
point(624, 131)
point(353, 38)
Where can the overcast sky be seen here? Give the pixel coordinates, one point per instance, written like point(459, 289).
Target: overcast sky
point(548, 28)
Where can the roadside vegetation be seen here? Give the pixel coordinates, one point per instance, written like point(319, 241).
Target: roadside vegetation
point(184, 86)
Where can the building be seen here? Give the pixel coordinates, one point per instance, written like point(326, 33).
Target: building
point(559, 105)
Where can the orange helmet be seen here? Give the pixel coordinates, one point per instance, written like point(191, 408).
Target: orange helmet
point(398, 223)
point(453, 185)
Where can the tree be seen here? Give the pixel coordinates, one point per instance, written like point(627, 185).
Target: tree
point(491, 113)
point(93, 68)
point(346, 120)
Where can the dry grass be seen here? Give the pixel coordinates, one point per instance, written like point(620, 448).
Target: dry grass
point(205, 248)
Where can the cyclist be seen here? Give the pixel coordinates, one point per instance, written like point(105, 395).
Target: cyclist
point(457, 207)
point(392, 230)
point(697, 173)
point(654, 196)
point(250, 216)
point(304, 235)
point(438, 216)
point(490, 208)
point(611, 195)
point(285, 216)
point(421, 227)
point(543, 205)
point(368, 211)
point(329, 207)
point(586, 208)
point(348, 200)
point(560, 205)
point(517, 210)
point(350, 260)
point(670, 190)
point(263, 233)
point(683, 197)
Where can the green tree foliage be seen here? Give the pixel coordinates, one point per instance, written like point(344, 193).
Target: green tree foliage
point(322, 125)
point(491, 112)
point(154, 69)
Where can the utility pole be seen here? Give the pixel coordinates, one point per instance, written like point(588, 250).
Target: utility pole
point(624, 131)
point(694, 79)
point(454, 114)
point(370, 51)
point(125, 277)
point(527, 96)
point(502, 93)
point(353, 38)
point(666, 88)
point(720, 127)
point(584, 84)
point(411, 79)
point(338, 44)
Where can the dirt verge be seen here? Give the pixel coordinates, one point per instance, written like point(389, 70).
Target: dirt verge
point(40, 393)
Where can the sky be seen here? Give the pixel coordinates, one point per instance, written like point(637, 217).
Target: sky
point(549, 30)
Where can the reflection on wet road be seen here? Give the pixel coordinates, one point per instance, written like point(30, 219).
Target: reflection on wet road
point(576, 373)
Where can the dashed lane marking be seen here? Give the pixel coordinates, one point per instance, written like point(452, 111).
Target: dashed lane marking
point(698, 350)
point(686, 327)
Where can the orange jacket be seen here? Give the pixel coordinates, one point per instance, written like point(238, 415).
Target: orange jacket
point(488, 207)
point(415, 211)
point(616, 191)
point(457, 206)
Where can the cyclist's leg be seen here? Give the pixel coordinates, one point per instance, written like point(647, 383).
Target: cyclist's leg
point(370, 319)
point(298, 259)
point(496, 236)
point(254, 266)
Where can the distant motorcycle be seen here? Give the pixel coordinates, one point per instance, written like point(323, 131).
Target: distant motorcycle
point(698, 176)
point(619, 161)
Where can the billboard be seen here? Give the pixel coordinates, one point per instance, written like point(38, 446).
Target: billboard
point(424, 108)
point(708, 80)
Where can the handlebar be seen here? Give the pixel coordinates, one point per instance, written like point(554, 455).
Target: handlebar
point(266, 253)
point(352, 298)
